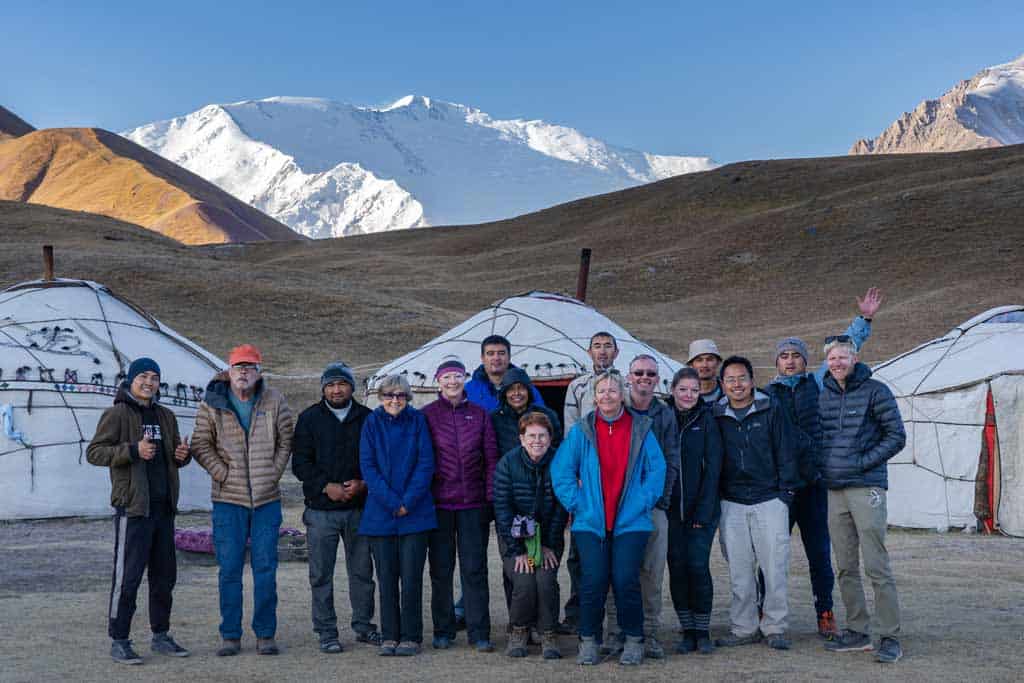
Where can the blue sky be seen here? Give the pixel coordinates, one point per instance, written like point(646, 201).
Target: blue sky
point(733, 80)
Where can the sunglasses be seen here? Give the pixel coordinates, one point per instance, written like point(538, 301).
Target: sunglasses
point(395, 397)
point(841, 338)
point(645, 373)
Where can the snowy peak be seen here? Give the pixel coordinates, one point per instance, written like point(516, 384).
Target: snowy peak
point(329, 169)
point(986, 110)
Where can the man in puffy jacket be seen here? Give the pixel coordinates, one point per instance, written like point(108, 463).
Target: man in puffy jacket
point(861, 430)
point(759, 476)
point(495, 360)
point(243, 438)
point(325, 458)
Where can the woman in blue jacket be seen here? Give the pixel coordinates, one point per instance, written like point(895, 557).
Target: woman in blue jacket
point(609, 473)
point(397, 461)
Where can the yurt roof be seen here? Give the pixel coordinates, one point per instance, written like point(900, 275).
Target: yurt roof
point(986, 346)
point(549, 333)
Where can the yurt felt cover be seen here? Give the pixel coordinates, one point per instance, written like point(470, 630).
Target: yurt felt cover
point(65, 345)
point(549, 333)
point(942, 389)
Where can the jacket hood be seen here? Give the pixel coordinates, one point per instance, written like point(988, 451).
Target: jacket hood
point(861, 373)
point(761, 402)
point(512, 376)
point(216, 395)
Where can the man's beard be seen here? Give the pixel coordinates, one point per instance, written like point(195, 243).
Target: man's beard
point(338, 406)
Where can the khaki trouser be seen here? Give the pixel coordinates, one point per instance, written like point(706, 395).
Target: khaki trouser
point(652, 576)
point(857, 522)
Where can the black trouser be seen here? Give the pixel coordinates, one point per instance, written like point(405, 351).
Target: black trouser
point(689, 571)
point(399, 563)
point(142, 544)
point(462, 531)
point(572, 605)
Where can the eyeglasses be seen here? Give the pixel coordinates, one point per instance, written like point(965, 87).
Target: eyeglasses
point(245, 368)
point(732, 381)
point(645, 373)
point(395, 397)
point(841, 338)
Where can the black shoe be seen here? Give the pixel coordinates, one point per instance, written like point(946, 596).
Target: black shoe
point(704, 644)
point(229, 648)
point(849, 641)
point(368, 637)
point(331, 646)
point(889, 651)
point(121, 652)
point(567, 627)
point(734, 640)
point(778, 641)
point(460, 622)
point(165, 645)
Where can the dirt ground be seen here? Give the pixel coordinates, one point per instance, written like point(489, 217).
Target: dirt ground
point(961, 599)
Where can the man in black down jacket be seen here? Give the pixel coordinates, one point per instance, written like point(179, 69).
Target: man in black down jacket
point(861, 429)
point(325, 458)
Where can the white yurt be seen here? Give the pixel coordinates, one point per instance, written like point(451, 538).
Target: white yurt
point(962, 401)
point(549, 333)
point(65, 345)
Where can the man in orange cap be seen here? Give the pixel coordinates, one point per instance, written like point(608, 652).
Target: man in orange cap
point(243, 438)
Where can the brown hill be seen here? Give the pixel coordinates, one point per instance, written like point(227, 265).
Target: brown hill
point(11, 125)
point(88, 169)
point(746, 254)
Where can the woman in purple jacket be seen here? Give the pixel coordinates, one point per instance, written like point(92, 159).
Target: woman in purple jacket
point(466, 453)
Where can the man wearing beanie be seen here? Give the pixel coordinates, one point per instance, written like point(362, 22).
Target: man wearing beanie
point(243, 438)
point(325, 458)
point(797, 391)
point(137, 439)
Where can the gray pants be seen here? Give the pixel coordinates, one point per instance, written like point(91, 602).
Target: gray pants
point(857, 521)
point(652, 576)
point(752, 537)
point(324, 528)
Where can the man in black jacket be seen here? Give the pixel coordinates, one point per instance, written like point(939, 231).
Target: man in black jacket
point(861, 430)
point(759, 476)
point(325, 458)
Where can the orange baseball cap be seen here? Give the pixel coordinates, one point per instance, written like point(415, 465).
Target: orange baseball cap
point(246, 353)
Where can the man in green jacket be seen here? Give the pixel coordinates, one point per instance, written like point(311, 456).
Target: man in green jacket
point(138, 440)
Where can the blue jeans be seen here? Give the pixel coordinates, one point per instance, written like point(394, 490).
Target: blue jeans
point(233, 526)
point(614, 561)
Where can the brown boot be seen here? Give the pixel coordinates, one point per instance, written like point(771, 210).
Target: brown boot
point(549, 645)
point(517, 641)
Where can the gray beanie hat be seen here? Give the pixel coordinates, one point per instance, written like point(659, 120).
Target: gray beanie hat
point(792, 344)
point(337, 372)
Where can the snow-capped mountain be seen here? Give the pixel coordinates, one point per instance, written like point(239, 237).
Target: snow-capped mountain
point(329, 169)
point(984, 111)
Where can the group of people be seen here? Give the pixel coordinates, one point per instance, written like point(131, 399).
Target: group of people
point(642, 482)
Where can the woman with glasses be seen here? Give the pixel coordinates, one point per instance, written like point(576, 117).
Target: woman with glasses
point(694, 512)
point(397, 461)
point(609, 473)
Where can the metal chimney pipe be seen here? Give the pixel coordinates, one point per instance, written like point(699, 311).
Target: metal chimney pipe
point(581, 278)
point(47, 261)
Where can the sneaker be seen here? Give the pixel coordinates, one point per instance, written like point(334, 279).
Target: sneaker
point(441, 642)
point(165, 645)
point(889, 651)
point(331, 646)
point(827, 625)
point(653, 648)
point(588, 654)
point(613, 644)
point(121, 652)
point(688, 643)
point(229, 648)
point(733, 640)
point(387, 648)
point(368, 637)
point(267, 646)
point(849, 641)
point(484, 646)
point(517, 642)
point(704, 644)
point(778, 641)
point(407, 648)
point(549, 645)
point(633, 651)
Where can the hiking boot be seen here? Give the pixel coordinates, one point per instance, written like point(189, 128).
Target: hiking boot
point(653, 648)
point(889, 651)
point(368, 637)
point(267, 646)
point(849, 641)
point(704, 644)
point(612, 644)
point(486, 645)
point(121, 652)
point(633, 651)
point(387, 648)
point(688, 643)
point(733, 640)
point(229, 648)
point(517, 642)
point(165, 645)
point(588, 653)
point(549, 645)
point(778, 641)
point(827, 625)
point(331, 646)
point(407, 648)
point(441, 642)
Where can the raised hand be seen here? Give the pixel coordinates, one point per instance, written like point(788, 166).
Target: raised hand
point(871, 302)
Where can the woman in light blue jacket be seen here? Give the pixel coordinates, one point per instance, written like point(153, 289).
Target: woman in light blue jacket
point(608, 473)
